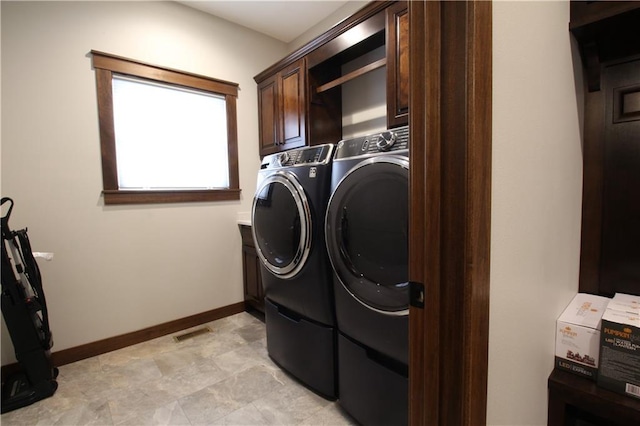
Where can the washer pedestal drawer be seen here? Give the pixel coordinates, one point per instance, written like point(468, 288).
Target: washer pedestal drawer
point(370, 391)
point(303, 348)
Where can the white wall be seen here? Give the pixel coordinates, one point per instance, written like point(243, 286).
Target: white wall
point(349, 8)
point(117, 269)
point(536, 202)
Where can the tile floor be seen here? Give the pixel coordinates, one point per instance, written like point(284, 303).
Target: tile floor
point(220, 378)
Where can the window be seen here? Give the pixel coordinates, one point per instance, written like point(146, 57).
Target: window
point(166, 136)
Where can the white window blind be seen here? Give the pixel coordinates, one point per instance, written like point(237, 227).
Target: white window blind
point(168, 137)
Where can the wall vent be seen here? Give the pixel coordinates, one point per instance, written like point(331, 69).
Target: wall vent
point(192, 334)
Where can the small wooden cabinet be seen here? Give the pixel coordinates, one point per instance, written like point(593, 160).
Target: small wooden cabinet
point(282, 105)
point(252, 282)
point(397, 46)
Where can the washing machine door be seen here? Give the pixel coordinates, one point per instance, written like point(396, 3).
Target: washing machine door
point(366, 229)
point(281, 224)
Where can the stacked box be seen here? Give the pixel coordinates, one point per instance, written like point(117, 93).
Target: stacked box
point(625, 303)
point(578, 335)
point(619, 368)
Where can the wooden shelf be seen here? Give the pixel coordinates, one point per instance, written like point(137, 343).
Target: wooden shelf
point(350, 76)
point(570, 394)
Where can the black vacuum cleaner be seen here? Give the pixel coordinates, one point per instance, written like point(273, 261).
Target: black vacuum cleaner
point(24, 309)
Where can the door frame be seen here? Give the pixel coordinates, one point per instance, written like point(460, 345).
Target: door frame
point(450, 212)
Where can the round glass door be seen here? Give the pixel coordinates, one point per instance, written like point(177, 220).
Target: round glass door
point(367, 226)
point(281, 224)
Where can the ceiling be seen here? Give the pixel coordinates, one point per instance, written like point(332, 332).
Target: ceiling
point(283, 20)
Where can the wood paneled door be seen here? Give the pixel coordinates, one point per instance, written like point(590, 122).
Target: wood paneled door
point(607, 34)
point(282, 103)
point(397, 45)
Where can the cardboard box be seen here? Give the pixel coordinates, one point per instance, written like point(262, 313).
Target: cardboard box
point(625, 303)
point(578, 335)
point(619, 368)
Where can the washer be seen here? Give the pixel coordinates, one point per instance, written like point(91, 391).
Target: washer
point(366, 228)
point(288, 230)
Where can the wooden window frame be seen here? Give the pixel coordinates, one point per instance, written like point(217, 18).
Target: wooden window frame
point(105, 66)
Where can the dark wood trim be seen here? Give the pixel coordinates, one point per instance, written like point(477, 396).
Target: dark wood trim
point(478, 221)
point(232, 143)
point(122, 65)
point(107, 133)
point(113, 197)
point(592, 177)
point(360, 16)
point(450, 124)
point(425, 219)
point(67, 356)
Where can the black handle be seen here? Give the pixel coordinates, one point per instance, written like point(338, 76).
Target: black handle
point(6, 231)
point(416, 294)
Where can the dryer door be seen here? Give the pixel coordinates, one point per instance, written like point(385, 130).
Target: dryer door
point(366, 229)
point(281, 224)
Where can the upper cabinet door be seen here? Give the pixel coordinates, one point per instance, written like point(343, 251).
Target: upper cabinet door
point(397, 45)
point(267, 114)
point(281, 105)
point(293, 95)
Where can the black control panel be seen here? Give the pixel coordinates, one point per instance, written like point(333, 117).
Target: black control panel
point(388, 141)
point(315, 155)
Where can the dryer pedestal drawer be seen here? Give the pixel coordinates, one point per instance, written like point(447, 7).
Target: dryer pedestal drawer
point(372, 392)
point(303, 348)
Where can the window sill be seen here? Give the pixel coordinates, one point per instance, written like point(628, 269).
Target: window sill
point(112, 197)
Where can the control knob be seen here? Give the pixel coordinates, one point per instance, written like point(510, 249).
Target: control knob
point(386, 140)
point(283, 158)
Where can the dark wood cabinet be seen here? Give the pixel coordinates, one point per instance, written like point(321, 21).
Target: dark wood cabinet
point(282, 105)
point(300, 99)
point(397, 46)
point(609, 42)
point(267, 110)
point(252, 282)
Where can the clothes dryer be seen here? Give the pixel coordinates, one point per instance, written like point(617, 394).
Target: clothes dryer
point(288, 230)
point(367, 241)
